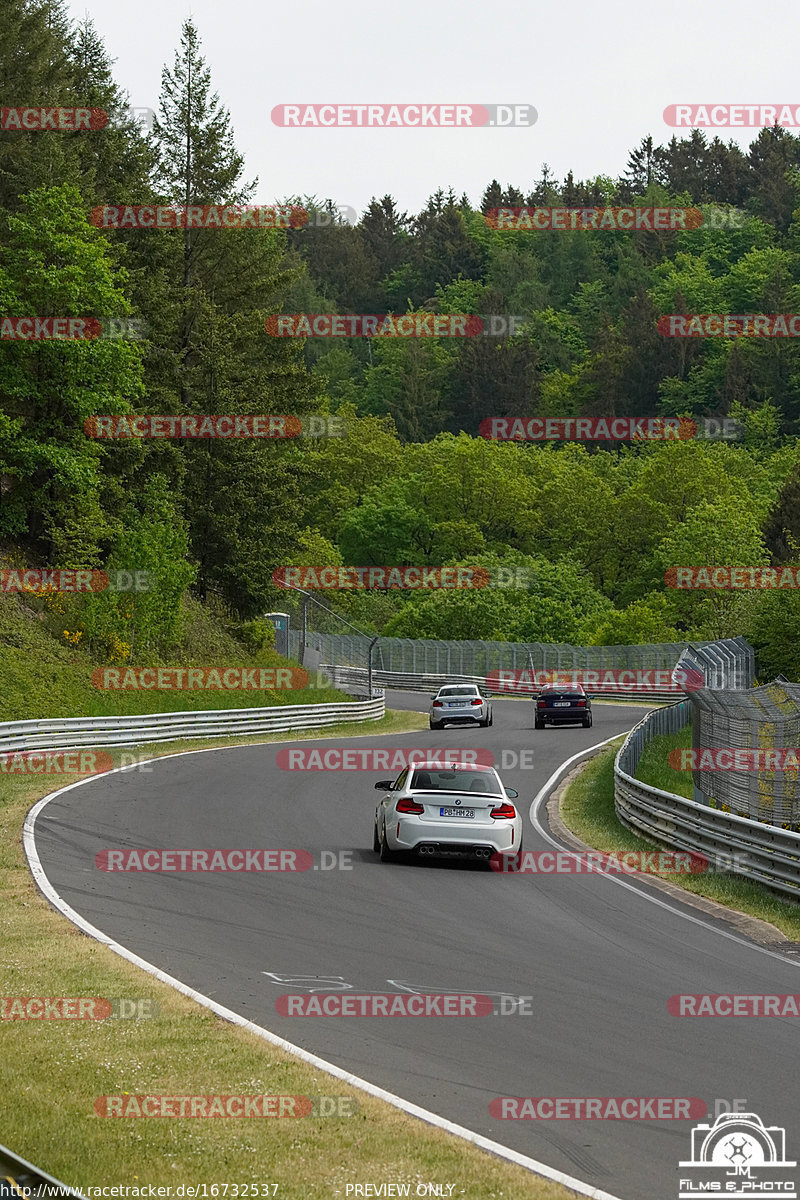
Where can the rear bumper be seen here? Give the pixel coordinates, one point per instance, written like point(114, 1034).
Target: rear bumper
point(409, 834)
point(562, 714)
point(452, 715)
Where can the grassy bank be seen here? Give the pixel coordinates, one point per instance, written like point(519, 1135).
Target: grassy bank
point(45, 676)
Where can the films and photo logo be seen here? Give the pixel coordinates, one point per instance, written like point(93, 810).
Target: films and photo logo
point(737, 1156)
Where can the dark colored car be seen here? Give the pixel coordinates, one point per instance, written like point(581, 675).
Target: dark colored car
point(559, 702)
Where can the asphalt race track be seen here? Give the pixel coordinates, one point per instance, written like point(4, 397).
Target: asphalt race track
point(599, 959)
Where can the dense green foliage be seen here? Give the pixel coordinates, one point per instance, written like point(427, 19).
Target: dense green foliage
point(410, 482)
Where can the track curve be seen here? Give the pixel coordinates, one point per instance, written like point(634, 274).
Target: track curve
point(598, 959)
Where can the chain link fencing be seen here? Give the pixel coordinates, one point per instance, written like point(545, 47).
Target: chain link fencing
point(728, 663)
point(765, 718)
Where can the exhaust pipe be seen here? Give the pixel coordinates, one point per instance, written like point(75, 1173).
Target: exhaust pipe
point(483, 852)
point(425, 849)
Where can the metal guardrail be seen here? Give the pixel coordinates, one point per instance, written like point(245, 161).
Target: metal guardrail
point(765, 853)
point(344, 677)
point(72, 732)
point(20, 1178)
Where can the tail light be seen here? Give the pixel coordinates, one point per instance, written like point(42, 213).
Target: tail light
point(541, 703)
point(474, 702)
point(409, 806)
point(580, 704)
point(504, 811)
point(438, 704)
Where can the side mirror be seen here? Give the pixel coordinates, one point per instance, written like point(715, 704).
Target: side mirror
point(512, 792)
point(384, 785)
point(433, 697)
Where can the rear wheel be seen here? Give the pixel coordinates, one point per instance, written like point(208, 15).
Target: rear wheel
point(484, 723)
point(491, 716)
point(386, 854)
point(434, 724)
point(587, 721)
point(376, 844)
point(538, 723)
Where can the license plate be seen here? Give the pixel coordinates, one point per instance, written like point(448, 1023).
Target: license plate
point(561, 704)
point(456, 704)
point(456, 812)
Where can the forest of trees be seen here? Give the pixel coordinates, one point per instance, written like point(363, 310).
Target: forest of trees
point(410, 482)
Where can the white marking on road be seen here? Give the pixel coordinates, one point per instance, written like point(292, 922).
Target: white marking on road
point(646, 893)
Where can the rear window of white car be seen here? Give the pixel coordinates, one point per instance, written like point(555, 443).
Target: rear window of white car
point(483, 783)
point(458, 691)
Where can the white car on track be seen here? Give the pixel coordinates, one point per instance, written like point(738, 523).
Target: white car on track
point(460, 810)
point(455, 703)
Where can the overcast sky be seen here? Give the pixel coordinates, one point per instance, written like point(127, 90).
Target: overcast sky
point(599, 75)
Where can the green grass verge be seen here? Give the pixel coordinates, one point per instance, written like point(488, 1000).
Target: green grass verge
point(53, 1071)
point(588, 810)
point(655, 769)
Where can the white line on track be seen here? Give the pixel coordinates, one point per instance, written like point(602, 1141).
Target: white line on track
point(643, 890)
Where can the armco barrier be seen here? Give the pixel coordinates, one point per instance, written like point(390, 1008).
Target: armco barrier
point(765, 853)
point(165, 727)
point(19, 1178)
